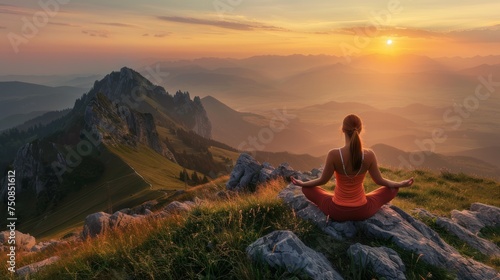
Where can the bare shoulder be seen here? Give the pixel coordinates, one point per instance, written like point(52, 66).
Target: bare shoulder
point(333, 153)
point(369, 155)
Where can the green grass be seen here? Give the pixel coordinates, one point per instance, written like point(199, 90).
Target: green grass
point(210, 242)
point(157, 170)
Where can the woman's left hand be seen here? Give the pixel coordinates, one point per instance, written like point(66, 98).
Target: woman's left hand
point(296, 182)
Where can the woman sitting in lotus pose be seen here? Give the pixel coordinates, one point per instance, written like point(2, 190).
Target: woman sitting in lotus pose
point(349, 164)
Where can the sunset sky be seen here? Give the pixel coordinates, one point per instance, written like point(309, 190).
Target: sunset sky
point(85, 36)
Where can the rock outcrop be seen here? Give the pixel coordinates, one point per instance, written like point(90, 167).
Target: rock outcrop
point(293, 196)
point(122, 124)
point(245, 174)
point(24, 242)
point(130, 88)
point(101, 223)
point(285, 249)
point(32, 173)
point(482, 245)
point(392, 223)
point(479, 216)
point(384, 261)
point(248, 173)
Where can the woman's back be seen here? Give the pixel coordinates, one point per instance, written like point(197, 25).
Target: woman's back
point(349, 189)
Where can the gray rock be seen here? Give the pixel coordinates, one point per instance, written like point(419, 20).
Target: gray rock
point(285, 171)
point(35, 267)
point(467, 219)
point(178, 207)
point(96, 224)
point(121, 220)
point(482, 245)
point(392, 223)
point(24, 242)
point(265, 172)
point(292, 195)
point(316, 172)
point(489, 215)
point(245, 174)
point(479, 216)
point(30, 164)
point(285, 249)
point(384, 261)
point(100, 223)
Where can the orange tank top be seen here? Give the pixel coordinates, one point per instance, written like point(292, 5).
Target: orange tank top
point(349, 190)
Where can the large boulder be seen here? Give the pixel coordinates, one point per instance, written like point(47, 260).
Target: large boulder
point(384, 261)
point(285, 249)
point(96, 224)
point(392, 223)
point(292, 195)
point(245, 174)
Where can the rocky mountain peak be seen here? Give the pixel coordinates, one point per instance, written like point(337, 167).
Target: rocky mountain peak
point(128, 88)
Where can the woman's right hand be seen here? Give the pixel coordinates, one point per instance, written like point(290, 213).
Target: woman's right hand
point(406, 183)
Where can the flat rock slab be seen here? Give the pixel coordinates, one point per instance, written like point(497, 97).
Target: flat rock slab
point(284, 249)
point(292, 195)
point(35, 267)
point(482, 245)
point(392, 223)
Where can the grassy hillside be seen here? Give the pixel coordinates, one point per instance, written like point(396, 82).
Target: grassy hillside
point(210, 241)
point(119, 187)
point(156, 170)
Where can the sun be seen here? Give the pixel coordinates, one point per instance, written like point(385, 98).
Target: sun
point(389, 42)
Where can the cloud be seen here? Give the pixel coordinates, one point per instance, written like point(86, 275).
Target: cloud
point(116, 24)
point(96, 33)
point(476, 35)
point(221, 24)
point(157, 35)
point(2, 27)
point(486, 34)
point(386, 31)
point(14, 10)
point(64, 24)
point(161, 35)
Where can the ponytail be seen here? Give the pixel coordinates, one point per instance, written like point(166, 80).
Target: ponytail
point(356, 150)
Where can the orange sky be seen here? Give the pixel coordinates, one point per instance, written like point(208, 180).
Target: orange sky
point(83, 36)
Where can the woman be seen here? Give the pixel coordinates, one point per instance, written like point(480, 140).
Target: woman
point(350, 164)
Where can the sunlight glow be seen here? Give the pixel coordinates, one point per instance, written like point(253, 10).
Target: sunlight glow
point(389, 42)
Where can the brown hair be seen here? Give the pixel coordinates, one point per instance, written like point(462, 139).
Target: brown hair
point(352, 127)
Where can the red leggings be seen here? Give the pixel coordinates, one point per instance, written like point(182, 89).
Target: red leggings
point(375, 199)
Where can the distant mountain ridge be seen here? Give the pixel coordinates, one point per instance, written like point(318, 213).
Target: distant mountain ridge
point(23, 98)
point(392, 157)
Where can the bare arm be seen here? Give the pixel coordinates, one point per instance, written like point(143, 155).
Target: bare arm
point(325, 176)
point(381, 181)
